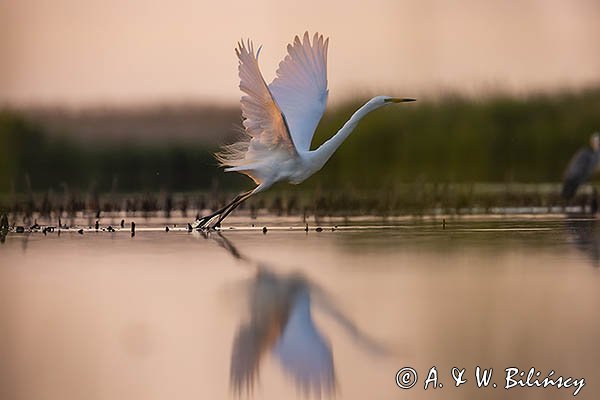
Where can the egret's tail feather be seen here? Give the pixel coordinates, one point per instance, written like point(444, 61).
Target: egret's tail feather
point(233, 155)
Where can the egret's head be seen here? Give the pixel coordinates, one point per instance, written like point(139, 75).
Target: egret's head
point(381, 101)
point(595, 141)
point(387, 99)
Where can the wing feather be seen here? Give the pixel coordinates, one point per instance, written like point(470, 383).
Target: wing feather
point(300, 88)
point(265, 125)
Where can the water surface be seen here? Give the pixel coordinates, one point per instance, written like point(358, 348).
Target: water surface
point(289, 313)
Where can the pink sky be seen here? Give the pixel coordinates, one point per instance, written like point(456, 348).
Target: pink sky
point(107, 51)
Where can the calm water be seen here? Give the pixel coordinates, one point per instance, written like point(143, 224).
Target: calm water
point(289, 314)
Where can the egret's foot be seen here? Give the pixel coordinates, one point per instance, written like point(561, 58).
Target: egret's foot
point(199, 223)
point(214, 224)
point(210, 222)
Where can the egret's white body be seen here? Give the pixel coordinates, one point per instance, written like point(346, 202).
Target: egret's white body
point(280, 119)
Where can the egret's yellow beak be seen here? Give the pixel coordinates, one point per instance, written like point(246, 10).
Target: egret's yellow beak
point(398, 100)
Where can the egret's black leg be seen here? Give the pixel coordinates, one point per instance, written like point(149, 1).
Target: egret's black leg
point(203, 220)
point(200, 223)
point(233, 206)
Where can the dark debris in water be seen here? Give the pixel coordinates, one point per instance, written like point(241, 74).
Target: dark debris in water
point(3, 226)
point(50, 229)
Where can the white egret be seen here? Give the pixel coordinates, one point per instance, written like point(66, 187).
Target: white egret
point(280, 120)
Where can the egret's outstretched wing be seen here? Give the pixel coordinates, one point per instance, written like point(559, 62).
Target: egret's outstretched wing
point(263, 120)
point(300, 88)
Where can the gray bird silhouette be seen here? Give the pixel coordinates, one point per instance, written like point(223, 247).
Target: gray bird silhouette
point(581, 167)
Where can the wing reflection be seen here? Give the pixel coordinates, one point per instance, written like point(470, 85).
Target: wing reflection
point(280, 322)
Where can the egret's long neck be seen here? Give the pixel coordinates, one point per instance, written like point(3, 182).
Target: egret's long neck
point(326, 150)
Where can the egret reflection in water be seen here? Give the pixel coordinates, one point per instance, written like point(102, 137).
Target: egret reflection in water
point(585, 235)
point(280, 321)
